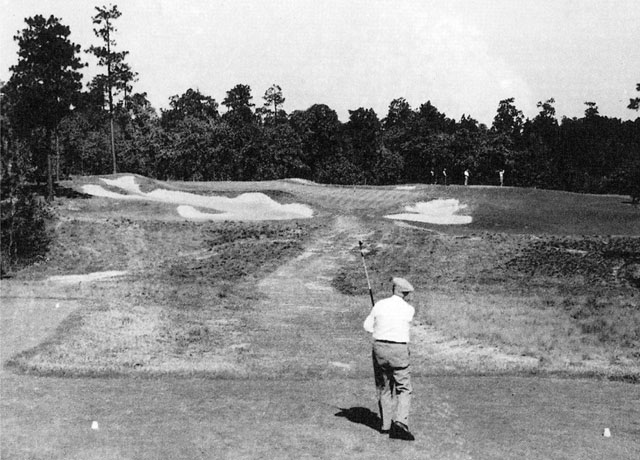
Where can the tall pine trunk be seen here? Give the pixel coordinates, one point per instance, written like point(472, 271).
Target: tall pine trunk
point(110, 83)
point(113, 146)
point(49, 168)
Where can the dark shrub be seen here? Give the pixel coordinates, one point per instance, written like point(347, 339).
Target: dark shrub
point(23, 222)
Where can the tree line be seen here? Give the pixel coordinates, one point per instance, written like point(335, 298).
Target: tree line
point(61, 129)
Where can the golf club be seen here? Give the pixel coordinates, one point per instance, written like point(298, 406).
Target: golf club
point(366, 273)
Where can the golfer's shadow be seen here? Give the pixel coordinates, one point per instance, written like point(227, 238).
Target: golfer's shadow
point(361, 415)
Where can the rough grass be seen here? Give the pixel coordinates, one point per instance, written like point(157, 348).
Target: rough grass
point(557, 299)
point(182, 309)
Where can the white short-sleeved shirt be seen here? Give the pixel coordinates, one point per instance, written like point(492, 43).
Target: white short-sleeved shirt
point(390, 319)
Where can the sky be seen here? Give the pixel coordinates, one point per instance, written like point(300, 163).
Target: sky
point(464, 56)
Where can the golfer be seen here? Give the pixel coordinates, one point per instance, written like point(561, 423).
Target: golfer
point(389, 323)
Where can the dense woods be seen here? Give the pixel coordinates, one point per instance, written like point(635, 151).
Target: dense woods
point(196, 139)
point(108, 127)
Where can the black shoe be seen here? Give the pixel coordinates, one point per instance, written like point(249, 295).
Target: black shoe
point(400, 431)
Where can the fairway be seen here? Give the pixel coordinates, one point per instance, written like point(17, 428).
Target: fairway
point(188, 337)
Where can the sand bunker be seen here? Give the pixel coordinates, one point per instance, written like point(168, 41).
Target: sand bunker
point(440, 212)
point(301, 181)
point(245, 207)
point(95, 276)
point(251, 211)
point(96, 190)
point(127, 183)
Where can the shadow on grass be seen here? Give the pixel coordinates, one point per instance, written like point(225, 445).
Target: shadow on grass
point(67, 192)
point(58, 191)
point(361, 415)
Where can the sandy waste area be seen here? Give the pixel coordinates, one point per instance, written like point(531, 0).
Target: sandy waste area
point(258, 206)
point(244, 207)
point(95, 276)
point(442, 212)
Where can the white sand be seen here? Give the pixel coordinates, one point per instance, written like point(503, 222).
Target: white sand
point(406, 187)
point(301, 181)
point(95, 276)
point(96, 190)
point(249, 213)
point(442, 212)
point(245, 207)
point(127, 183)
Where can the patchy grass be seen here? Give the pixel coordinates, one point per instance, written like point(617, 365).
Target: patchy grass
point(608, 321)
point(183, 307)
point(558, 299)
point(597, 259)
point(519, 279)
point(188, 308)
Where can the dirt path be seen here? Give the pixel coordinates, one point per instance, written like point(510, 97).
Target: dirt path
point(303, 313)
point(303, 323)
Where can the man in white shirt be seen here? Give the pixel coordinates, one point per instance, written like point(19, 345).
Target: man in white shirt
point(389, 323)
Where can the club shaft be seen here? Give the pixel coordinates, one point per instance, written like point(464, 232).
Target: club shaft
point(366, 273)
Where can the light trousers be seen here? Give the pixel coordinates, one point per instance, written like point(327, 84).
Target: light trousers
point(393, 382)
